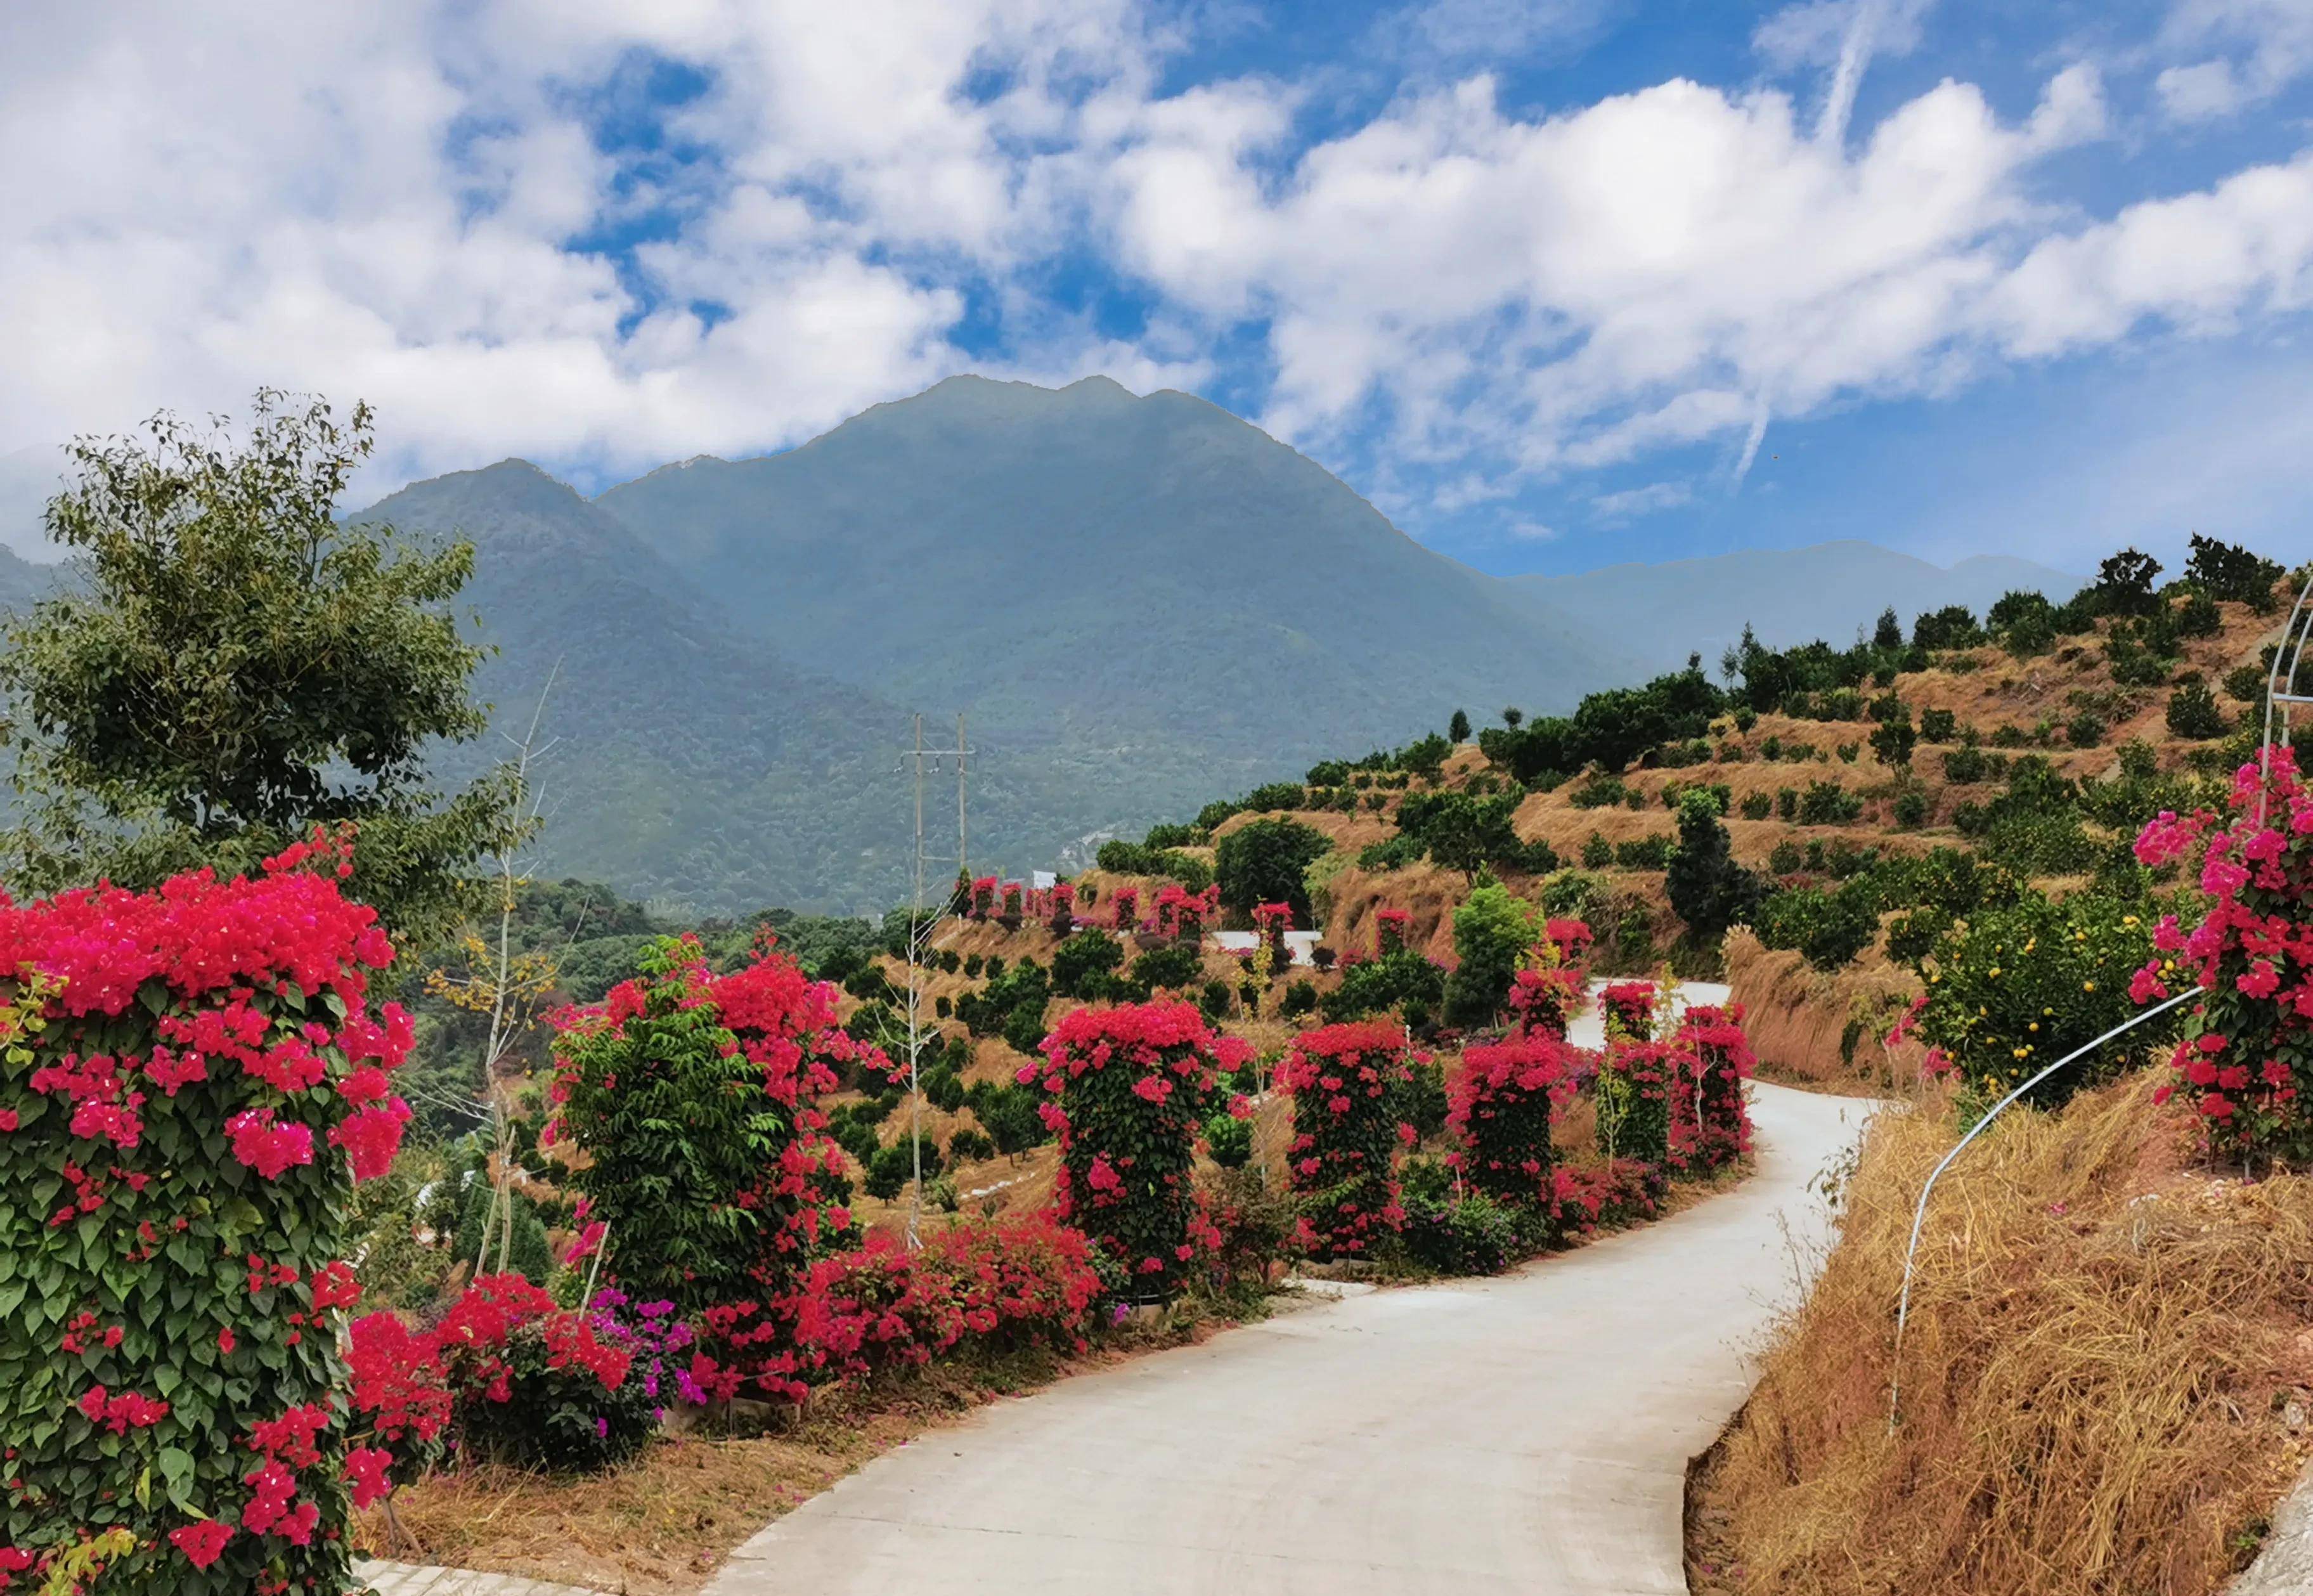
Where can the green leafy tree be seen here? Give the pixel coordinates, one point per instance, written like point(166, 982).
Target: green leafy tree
point(1265, 863)
point(1889, 632)
point(1457, 730)
point(1707, 889)
point(1491, 932)
point(237, 665)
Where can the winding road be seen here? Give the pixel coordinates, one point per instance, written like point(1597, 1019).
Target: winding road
point(1527, 1434)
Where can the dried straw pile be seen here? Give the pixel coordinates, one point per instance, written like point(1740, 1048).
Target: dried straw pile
point(2106, 1381)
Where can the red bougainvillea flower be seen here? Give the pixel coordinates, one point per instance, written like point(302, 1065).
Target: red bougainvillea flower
point(270, 1148)
point(366, 1474)
point(202, 1543)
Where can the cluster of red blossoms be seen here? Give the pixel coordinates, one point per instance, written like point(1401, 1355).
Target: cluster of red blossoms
point(2252, 956)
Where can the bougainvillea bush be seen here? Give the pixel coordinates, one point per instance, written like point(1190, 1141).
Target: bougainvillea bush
point(191, 1082)
point(1631, 1005)
point(1344, 1081)
point(1127, 1090)
point(1499, 1103)
point(999, 1287)
point(692, 1095)
point(1723, 1060)
point(1620, 1192)
point(506, 1373)
point(1648, 1103)
point(2245, 1061)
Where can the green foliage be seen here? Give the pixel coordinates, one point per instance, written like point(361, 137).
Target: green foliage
point(1706, 887)
point(1894, 737)
point(1175, 967)
point(2226, 571)
point(679, 1123)
point(968, 1146)
point(1229, 1141)
point(1827, 803)
point(1401, 980)
point(1493, 929)
point(1008, 1113)
point(2013, 989)
point(2192, 711)
point(1467, 834)
point(1828, 928)
point(894, 1166)
point(1597, 853)
point(1644, 853)
point(1912, 809)
point(1457, 730)
point(1137, 858)
point(1758, 806)
point(1952, 627)
point(1394, 854)
point(1264, 862)
point(1474, 1236)
point(1087, 953)
point(2124, 584)
point(1938, 726)
point(235, 665)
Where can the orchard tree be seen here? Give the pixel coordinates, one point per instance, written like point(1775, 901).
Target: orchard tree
point(237, 665)
point(1707, 889)
point(1265, 862)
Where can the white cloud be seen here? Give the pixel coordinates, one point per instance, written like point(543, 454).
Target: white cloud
point(2263, 46)
point(1445, 297)
point(1651, 499)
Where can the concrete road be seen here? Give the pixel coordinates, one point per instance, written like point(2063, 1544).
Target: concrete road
point(1528, 1433)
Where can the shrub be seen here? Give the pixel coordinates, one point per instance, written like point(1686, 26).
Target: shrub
point(1647, 1101)
point(1597, 853)
point(968, 1146)
point(1622, 1192)
point(1089, 953)
point(1499, 1106)
point(2192, 711)
point(1300, 998)
point(1938, 726)
point(692, 1096)
point(997, 1287)
point(1492, 930)
point(1345, 1082)
point(1629, 1008)
point(1011, 1116)
point(1912, 809)
point(1644, 853)
point(894, 1166)
point(1757, 805)
point(2017, 987)
point(2223, 570)
point(1829, 928)
point(1401, 980)
point(1600, 792)
point(1474, 1236)
point(1827, 803)
point(1264, 862)
point(1706, 887)
point(1723, 1061)
point(1228, 1139)
point(1394, 854)
point(532, 1383)
point(1127, 1090)
point(192, 1082)
point(1175, 968)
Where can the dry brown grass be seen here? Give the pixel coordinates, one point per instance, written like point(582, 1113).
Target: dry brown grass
point(2106, 1346)
point(1820, 1030)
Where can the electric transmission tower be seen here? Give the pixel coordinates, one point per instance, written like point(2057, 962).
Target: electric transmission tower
point(926, 761)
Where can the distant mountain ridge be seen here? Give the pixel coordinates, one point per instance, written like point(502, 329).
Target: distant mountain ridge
point(1786, 596)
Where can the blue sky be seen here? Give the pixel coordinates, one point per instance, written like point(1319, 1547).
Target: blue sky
point(1556, 283)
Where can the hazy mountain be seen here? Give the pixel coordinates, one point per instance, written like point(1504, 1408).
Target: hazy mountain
point(691, 762)
point(1149, 579)
point(1786, 595)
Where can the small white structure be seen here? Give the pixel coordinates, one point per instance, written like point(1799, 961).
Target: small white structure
point(1297, 945)
point(1041, 880)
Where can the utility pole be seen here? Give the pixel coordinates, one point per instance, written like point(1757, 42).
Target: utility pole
point(919, 940)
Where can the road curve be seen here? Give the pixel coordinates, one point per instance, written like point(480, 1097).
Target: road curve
point(1527, 1434)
